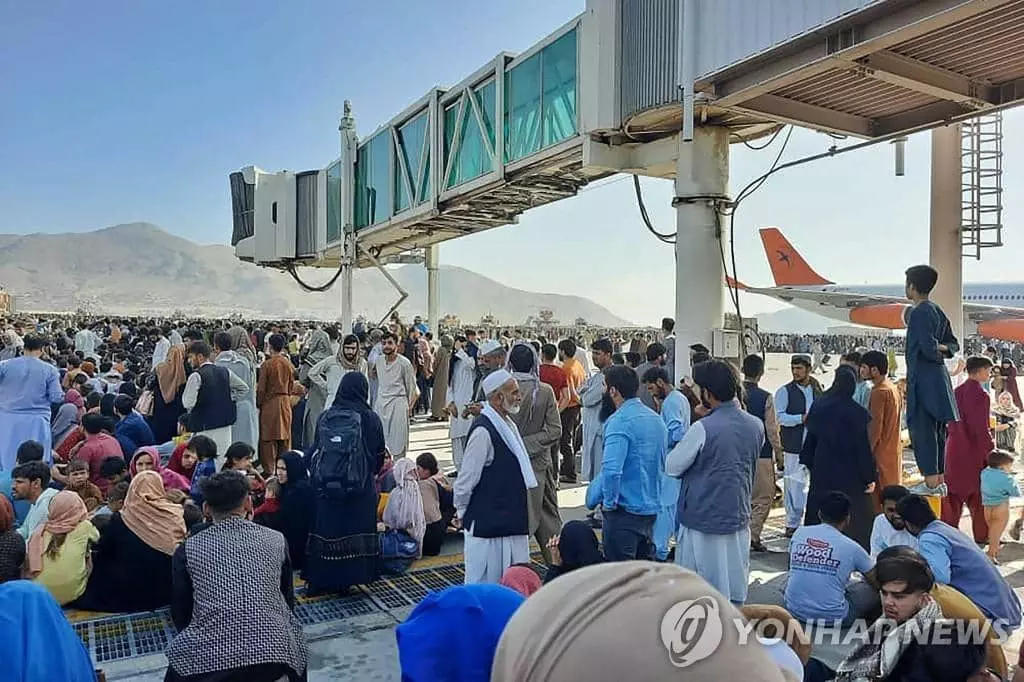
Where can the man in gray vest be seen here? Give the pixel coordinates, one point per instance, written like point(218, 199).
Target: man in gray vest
point(792, 403)
point(716, 460)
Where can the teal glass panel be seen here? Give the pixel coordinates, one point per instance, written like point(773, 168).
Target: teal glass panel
point(522, 109)
point(487, 99)
point(362, 194)
point(472, 158)
point(451, 114)
point(411, 136)
point(424, 184)
point(373, 180)
point(558, 105)
point(334, 217)
point(398, 188)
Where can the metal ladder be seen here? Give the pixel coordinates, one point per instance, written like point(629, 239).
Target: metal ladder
point(981, 168)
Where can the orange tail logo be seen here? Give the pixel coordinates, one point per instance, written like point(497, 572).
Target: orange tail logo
point(788, 267)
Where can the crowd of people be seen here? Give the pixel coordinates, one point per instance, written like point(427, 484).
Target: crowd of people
point(203, 467)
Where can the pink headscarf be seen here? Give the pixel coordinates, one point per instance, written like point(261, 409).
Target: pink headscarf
point(67, 510)
point(75, 398)
point(171, 479)
point(522, 579)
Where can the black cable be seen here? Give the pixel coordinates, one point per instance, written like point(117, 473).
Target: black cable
point(665, 237)
point(290, 269)
point(758, 148)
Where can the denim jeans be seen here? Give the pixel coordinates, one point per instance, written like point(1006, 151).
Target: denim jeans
point(627, 536)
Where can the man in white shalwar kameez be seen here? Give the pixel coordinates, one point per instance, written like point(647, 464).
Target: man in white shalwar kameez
point(460, 396)
point(591, 395)
point(491, 492)
point(716, 460)
point(28, 386)
point(396, 394)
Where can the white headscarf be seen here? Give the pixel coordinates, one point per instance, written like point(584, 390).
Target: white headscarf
point(404, 510)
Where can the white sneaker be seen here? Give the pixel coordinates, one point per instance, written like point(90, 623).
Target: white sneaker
point(922, 488)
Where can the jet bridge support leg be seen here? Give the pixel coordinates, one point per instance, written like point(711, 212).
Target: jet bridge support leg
point(945, 250)
point(701, 188)
point(433, 291)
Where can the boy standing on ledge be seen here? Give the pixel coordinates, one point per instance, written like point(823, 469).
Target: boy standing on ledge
point(930, 402)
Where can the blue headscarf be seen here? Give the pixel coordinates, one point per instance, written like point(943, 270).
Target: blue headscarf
point(38, 642)
point(474, 616)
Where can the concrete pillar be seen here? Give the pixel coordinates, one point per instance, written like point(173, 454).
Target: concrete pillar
point(702, 177)
point(349, 145)
point(433, 290)
point(945, 251)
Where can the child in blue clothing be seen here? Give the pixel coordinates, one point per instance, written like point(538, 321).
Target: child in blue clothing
point(205, 450)
point(997, 487)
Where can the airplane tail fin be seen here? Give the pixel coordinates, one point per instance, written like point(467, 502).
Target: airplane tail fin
point(788, 267)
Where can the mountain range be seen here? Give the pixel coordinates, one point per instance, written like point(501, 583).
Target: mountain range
point(138, 268)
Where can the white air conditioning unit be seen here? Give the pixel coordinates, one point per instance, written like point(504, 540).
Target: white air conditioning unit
point(278, 218)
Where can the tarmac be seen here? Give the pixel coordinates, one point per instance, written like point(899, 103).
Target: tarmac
point(359, 644)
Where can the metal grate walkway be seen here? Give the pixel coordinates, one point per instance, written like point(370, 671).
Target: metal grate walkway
point(123, 636)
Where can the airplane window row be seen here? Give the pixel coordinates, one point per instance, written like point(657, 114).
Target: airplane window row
point(997, 297)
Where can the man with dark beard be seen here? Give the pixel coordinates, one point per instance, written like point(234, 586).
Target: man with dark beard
point(633, 461)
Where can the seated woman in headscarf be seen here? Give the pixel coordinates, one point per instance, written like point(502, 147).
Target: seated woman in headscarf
point(295, 516)
point(39, 643)
point(147, 459)
point(344, 549)
point(838, 454)
point(404, 510)
point(575, 547)
point(474, 616)
point(521, 578)
point(68, 418)
point(438, 503)
point(132, 560)
point(12, 545)
point(600, 605)
point(58, 550)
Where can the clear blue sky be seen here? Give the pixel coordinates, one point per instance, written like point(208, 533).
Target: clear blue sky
point(131, 110)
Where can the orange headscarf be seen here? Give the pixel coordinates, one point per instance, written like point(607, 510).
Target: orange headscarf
point(170, 374)
point(67, 510)
point(150, 515)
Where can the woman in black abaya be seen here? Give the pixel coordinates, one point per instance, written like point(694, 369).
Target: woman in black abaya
point(838, 454)
point(344, 549)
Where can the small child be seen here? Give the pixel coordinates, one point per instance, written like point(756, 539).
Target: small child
point(193, 517)
point(1006, 415)
point(266, 513)
point(997, 487)
point(114, 470)
point(115, 500)
point(78, 482)
point(239, 458)
point(205, 450)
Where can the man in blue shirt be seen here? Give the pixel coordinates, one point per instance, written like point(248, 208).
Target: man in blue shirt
point(131, 431)
point(632, 465)
point(958, 562)
point(675, 412)
point(821, 560)
point(29, 451)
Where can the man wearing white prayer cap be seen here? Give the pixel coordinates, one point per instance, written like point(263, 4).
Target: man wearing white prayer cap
point(491, 495)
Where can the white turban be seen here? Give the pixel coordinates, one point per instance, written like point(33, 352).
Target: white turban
point(495, 380)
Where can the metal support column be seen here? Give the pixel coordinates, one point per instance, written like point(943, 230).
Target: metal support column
point(433, 290)
point(349, 144)
point(702, 184)
point(945, 252)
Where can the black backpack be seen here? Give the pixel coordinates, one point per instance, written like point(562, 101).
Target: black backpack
point(342, 465)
